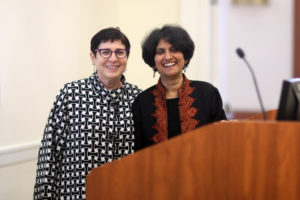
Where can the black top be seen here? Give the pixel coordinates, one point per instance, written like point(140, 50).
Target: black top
point(174, 127)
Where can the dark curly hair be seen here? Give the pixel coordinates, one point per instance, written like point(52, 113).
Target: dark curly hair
point(109, 34)
point(175, 35)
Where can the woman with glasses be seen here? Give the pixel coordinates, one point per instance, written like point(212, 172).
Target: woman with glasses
point(90, 123)
point(175, 105)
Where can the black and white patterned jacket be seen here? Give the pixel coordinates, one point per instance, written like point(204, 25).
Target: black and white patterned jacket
point(88, 126)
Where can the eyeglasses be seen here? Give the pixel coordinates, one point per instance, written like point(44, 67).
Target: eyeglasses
point(106, 53)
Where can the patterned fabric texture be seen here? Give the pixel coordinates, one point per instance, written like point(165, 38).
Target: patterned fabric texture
point(186, 111)
point(88, 126)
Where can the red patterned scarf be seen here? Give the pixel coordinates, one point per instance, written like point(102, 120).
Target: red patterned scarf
point(186, 111)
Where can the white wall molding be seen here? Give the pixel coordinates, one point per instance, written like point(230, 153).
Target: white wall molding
point(18, 153)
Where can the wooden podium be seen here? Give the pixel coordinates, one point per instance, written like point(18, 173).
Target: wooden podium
point(250, 159)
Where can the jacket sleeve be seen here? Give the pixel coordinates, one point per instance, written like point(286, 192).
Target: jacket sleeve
point(51, 149)
point(138, 130)
point(217, 106)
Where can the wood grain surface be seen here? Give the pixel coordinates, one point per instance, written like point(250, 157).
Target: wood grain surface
point(248, 159)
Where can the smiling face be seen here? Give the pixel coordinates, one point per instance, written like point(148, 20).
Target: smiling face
point(168, 60)
point(109, 69)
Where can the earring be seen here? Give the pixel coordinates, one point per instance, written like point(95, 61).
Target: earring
point(154, 72)
point(184, 68)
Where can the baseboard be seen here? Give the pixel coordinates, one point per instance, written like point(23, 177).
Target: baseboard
point(19, 153)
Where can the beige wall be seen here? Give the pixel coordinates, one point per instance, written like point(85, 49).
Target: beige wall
point(45, 44)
